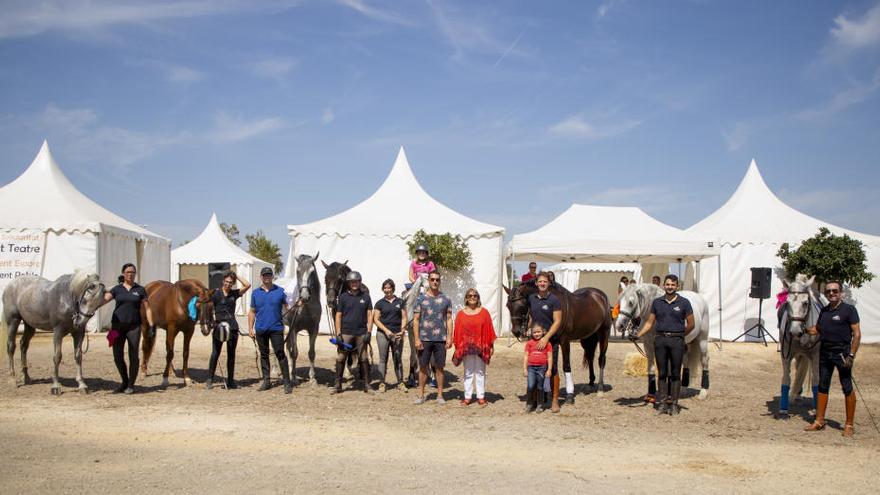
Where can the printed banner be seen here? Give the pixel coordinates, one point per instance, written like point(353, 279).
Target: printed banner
point(21, 253)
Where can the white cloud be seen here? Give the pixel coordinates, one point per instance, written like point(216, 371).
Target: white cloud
point(855, 94)
point(857, 32)
point(845, 208)
point(466, 33)
point(576, 127)
point(375, 13)
point(274, 67)
point(228, 128)
point(327, 116)
point(605, 7)
point(173, 73)
point(738, 136)
point(29, 18)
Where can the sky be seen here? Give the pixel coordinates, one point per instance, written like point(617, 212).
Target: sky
point(285, 112)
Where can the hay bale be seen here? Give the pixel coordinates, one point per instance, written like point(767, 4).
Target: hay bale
point(634, 364)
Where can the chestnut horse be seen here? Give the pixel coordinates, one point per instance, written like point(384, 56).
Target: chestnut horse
point(586, 317)
point(170, 304)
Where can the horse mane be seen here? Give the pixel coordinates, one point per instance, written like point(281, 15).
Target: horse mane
point(79, 280)
point(192, 285)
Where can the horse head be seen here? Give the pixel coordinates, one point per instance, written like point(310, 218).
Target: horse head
point(194, 290)
point(518, 306)
point(801, 305)
point(87, 292)
point(334, 280)
point(305, 269)
point(633, 303)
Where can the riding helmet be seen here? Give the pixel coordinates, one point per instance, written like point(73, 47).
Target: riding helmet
point(353, 275)
point(422, 247)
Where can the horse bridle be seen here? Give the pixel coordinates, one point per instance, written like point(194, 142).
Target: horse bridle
point(76, 310)
point(514, 319)
point(786, 332)
point(629, 325)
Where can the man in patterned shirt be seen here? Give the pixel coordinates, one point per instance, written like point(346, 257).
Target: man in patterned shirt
point(432, 328)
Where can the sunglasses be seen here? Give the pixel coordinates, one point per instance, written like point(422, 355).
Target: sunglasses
point(472, 296)
point(433, 279)
point(832, 291)
point(129, 272)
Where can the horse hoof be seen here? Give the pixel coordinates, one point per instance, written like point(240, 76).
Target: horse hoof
point(313, 382)
point(165, 381)
point(703, 395)
point(782, 415)
point(187, 382)
point(83, 390)
point(600, 393)
point(56, 391)
point(569, 399)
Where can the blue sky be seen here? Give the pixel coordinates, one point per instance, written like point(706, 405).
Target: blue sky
point(280, 112)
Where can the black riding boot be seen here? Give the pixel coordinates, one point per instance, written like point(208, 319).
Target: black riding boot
point(663, 394)
point(531, 400)
point(365, 375)
point(676, 390)
point(340, 369)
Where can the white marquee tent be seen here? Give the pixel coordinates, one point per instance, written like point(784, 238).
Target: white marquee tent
point(56, 229)
point(212, 246)
point(372, 236)
point(749, 228)
point(611, 234)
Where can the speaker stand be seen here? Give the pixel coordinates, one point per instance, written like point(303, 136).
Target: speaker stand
point(762, 331)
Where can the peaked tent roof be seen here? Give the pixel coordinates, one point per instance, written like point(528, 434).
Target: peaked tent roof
point(412, 208)
point(210, 246)
point(45, 199)
point(755, 215)
point(608, 234)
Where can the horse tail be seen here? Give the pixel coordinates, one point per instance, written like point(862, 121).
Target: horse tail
point(801, 366)
point(589, 345)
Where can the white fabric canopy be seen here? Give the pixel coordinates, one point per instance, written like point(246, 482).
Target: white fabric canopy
point(75, 232)
point(603, 276)
point(212, 246)
point(372, 236)
point(587, 233)
point(748, 229)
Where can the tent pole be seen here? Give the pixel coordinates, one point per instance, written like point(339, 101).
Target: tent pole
point(720, 315)
point(512, 274)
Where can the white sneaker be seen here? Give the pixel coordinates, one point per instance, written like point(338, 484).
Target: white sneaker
point(441, 400)
point(419, 400)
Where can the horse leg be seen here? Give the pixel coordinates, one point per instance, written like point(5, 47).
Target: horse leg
point(24, 343)
point(786, 386)
point(704, 365)
point(147, 346)
point(651, 397)
point(589, 347)
point(566, 368)
point(814, 374)
point(78, 338)
point(313, 335)
point(11, 330)
point(170, 334)
point(187, 338)
point(57, 336)
point(603, 358)
point(293, 352)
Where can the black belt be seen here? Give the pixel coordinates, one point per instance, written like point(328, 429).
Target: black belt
point(670, 334)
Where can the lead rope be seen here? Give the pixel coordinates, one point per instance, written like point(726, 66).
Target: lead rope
point(862, 398)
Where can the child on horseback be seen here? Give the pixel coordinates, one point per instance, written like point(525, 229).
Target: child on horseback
point(536, 367)
point(422, 265)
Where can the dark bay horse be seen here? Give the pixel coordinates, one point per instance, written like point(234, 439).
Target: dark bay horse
point(586, 317)
point(63, 306)
point(334, 284)
point(306, 312)
point(170, 306)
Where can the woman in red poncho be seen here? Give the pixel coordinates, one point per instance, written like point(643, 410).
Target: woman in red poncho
point(474, 338)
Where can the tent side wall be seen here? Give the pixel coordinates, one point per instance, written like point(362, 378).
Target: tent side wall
point(378, 258)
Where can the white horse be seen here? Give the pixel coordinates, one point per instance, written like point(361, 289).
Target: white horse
point(800, 312)
point(635, 302)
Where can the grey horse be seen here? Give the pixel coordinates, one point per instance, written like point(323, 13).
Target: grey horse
point(64, 306)
point(305, 313)
point(800, 312)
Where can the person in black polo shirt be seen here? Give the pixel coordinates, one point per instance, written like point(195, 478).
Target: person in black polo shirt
point(545, 309)
point(839, 338)
point(125, 326)
point(390, 314)
point(354, 320)
point(674, 318)
point(224, 312)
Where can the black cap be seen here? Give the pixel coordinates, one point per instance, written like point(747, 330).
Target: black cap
point(266, 271)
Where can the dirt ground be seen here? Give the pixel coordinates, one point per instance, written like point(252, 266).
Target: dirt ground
point(194, 440)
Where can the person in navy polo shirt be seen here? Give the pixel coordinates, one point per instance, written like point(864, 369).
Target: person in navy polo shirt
point(674, 318)
point(545, 309)
point(354, 320)
point(839, 339)
point(268, 304)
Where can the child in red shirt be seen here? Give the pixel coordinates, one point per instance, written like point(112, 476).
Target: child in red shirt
point(536, 366)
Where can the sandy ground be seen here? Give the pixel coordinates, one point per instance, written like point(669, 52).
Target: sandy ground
point(193, 440)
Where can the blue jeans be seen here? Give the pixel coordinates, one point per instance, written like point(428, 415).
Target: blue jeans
point(536, 377)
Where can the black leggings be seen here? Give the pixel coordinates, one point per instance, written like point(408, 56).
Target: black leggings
point(831, 356)
point(669, 352)
point(230, 355)
point(133, 337)
point(277, 339)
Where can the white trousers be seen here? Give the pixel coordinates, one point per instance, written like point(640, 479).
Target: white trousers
point(474, 373)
